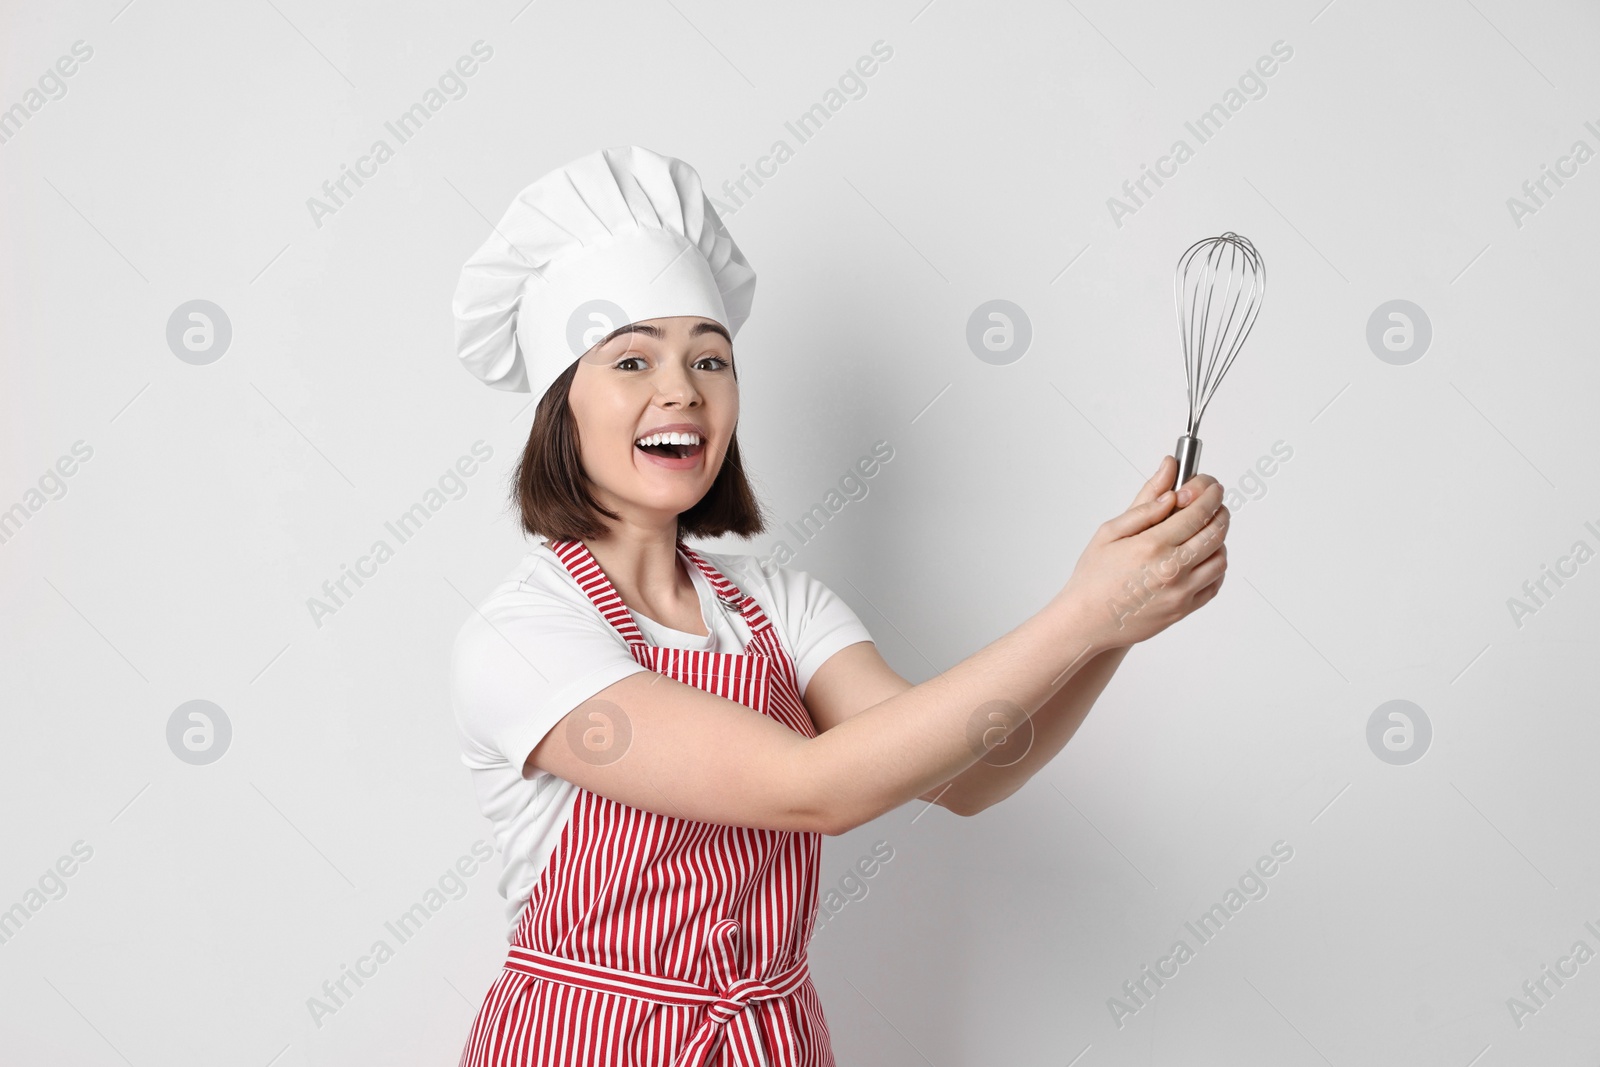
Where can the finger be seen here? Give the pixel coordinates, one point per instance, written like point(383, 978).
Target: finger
point(1191, 518)
point(1184, 563)
point(1140, 517)
point(1209, 539)
point(1194, 487)
point(1159, 482)
point(1208, 573)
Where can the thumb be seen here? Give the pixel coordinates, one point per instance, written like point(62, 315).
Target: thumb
point(1161, 479)
point(1141, 517)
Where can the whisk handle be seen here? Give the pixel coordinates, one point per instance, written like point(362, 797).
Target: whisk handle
point(1188, 457)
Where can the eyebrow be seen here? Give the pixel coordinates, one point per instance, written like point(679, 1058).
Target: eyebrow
point(700, 328)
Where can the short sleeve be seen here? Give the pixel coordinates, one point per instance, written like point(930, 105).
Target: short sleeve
point(519, 665)
point(816, 620)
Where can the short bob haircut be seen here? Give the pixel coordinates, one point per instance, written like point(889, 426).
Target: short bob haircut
point(552, 489)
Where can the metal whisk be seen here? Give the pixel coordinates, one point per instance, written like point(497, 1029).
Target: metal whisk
point(1217, 291)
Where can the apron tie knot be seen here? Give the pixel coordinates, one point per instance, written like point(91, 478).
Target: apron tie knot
point(734, 995)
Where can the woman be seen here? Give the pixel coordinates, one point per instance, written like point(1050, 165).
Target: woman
point(660, 735)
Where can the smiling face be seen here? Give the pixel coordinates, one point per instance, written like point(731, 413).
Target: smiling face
point(665, 372)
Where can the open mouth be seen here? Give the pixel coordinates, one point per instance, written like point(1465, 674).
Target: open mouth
point(672, 451)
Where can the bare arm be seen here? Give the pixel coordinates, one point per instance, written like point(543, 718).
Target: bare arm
point(857, 677)
point(657, 744)
point(846, 679)
point(988, 782)
point(916, 741)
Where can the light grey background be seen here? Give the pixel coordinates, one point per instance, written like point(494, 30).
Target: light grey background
point(1375, 564)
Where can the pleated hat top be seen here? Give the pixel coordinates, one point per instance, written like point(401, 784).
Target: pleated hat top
point(616, 237)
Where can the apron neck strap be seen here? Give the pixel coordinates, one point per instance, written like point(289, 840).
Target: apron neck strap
point(585, 570)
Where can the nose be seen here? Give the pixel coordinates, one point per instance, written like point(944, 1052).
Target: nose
point(676, 387)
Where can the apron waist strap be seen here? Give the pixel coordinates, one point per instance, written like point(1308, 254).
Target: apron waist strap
point(672, 991)
point(722, 1006)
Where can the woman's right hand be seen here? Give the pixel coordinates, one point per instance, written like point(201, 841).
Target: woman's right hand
point(1152, 565)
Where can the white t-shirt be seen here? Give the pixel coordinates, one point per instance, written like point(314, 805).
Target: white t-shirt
point(536, 648)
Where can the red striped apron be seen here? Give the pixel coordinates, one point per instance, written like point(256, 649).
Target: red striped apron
point(651, 941)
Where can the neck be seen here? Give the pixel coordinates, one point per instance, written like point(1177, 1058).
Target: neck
point(644, 568)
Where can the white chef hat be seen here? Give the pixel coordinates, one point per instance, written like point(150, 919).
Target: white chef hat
point(619, 236)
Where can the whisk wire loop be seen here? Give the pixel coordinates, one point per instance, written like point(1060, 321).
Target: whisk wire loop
point(1217, 293)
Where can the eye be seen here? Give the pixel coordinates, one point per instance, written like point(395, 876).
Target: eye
point(721, 363)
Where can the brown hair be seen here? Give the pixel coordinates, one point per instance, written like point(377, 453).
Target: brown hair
point(552, 490)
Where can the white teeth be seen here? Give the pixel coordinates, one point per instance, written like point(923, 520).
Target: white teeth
point(669, 439)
